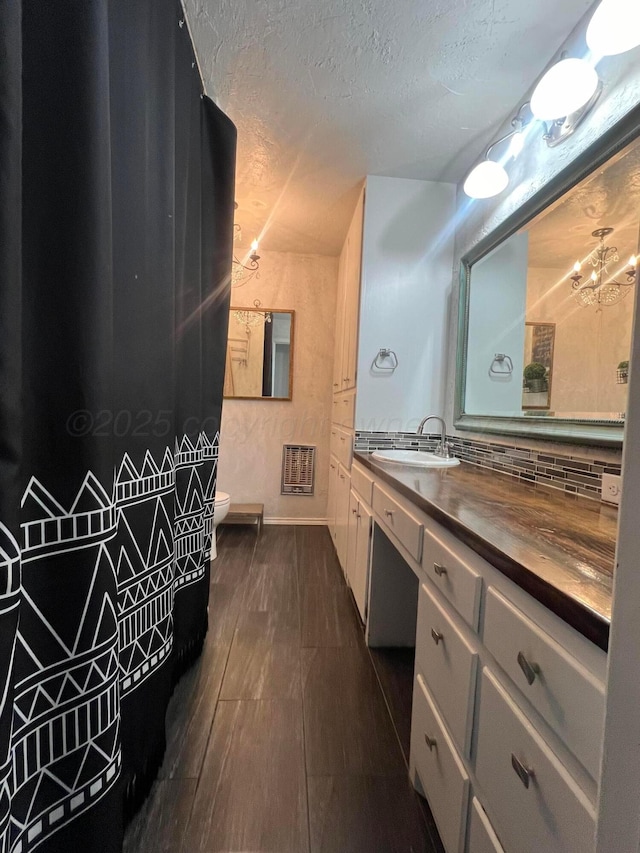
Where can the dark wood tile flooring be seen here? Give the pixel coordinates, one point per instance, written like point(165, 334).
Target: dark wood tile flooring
point(279, 738)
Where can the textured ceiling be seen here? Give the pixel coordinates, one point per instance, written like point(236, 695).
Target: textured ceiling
point(324, 92)
point(610, 197)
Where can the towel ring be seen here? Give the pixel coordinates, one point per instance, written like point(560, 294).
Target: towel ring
point(385, 353)
point(505, 362)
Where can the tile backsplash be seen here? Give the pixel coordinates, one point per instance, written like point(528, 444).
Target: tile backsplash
point(571, 473)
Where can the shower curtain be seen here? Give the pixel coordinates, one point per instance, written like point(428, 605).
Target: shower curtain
point(116, 209)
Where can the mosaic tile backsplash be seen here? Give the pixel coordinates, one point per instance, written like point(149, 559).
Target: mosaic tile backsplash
point(572, 474)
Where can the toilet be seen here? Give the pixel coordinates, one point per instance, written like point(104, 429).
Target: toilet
point(220, 510)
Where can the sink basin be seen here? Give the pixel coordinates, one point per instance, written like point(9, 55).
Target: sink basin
point(418, 458)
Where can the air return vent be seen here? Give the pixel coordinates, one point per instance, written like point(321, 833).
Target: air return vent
point(298, 469)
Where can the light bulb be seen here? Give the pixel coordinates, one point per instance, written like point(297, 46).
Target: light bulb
point(486, 180)
point(614, 27)
point(594, 277)
point(517, 144)
point(577, 266)
point(633, 261)
point(566, 87)
point(254, 246)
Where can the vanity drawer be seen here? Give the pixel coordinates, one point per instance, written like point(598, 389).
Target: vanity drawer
point(442, 773)
point(407, 529)
point(448, 664)
point(482, 837)
point(565, 694)
point(536, 803)
point(456, 579)
point(341, 444)
point(362, 483)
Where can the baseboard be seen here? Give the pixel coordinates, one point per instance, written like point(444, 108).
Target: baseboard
point(306, 521)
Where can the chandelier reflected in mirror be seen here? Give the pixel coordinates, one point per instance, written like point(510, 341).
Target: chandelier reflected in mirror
point(601, 288)
point(252, 316)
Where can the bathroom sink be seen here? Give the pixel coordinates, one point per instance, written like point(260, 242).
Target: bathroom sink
point(418, 458)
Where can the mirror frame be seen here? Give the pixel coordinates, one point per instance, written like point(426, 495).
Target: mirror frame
point(607, 433)
point(291, 353)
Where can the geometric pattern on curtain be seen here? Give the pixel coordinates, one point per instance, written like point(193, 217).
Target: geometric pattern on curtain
point(105, 539)
point(65, 746)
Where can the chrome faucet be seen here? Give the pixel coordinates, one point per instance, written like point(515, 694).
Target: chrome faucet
point(442, 449)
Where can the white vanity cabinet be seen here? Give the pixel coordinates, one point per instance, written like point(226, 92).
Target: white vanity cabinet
point(508, 700)
point(360, 532)
point(343, 489)
point(359, 551)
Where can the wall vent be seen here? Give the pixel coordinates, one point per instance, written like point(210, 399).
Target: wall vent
point(298, 469)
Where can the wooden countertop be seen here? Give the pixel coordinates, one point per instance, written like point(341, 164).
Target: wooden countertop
point(560, 548)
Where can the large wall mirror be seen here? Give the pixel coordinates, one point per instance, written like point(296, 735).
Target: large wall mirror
point(259, 363)
point(548, 311)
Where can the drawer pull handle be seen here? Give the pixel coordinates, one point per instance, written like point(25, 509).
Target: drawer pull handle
point(346, 378)
point(530, 670)
point(342, 438)
point(354, 511)
point(439, 569)
point(388, 513)
point(332, 466)
point(437, 636)
point(431, 742)
point(525, 774)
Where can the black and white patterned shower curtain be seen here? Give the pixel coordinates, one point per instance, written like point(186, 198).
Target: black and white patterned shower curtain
point(116, 206)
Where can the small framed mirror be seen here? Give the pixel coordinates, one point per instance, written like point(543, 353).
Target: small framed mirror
point(259, 360)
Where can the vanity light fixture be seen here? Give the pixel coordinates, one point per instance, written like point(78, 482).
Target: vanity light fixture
point(614, 27)
point(490, 177)
point(486, 179)
point(599, 289)
point(564, 89)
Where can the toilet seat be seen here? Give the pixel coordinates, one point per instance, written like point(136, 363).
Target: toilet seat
point(222, 498)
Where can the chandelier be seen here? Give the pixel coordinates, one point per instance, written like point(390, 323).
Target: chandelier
point(599, 288)
point(242, 273)
point(250, 317)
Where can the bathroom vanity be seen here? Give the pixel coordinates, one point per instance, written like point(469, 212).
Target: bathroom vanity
point(505, 591)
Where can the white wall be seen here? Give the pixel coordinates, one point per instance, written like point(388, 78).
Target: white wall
point(406, 283)
point(496, 325)
point(253, 431)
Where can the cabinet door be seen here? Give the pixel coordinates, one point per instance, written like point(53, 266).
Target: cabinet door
point(352, 536)
point(360, 581)
point(342, 514)
point(331, 497)
point(352, 297)
point(340, 324)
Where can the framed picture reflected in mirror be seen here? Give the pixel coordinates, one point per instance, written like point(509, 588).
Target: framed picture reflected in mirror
point(539, 340)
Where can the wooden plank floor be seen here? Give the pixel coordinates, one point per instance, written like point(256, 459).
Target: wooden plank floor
point(280, 739)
